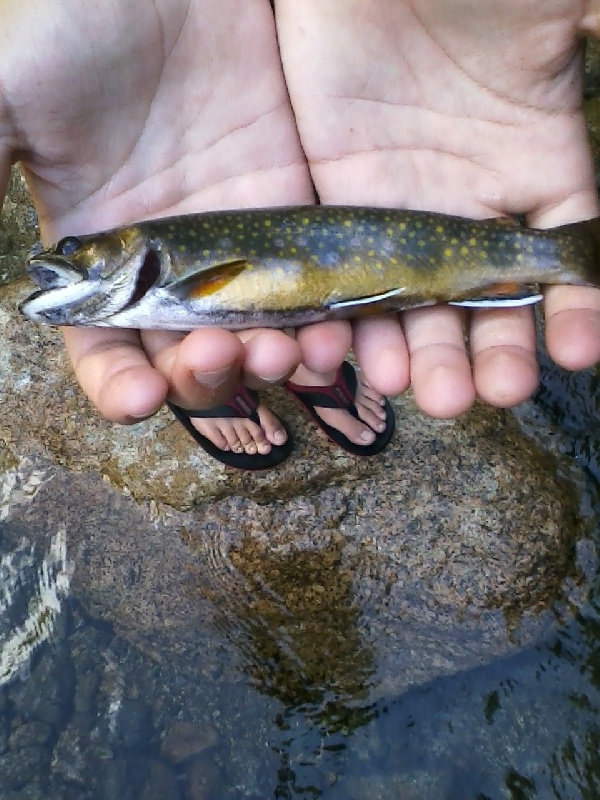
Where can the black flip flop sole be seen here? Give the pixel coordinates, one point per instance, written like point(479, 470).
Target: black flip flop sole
point(333, 434)
point(242, 461)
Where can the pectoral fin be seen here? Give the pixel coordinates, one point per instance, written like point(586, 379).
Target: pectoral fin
point(502, 295)
point(205, 282)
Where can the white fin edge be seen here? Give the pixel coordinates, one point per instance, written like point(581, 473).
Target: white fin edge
point(365, 301)
point(500, 302)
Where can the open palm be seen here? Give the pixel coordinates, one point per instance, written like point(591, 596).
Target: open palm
point(462, 107)
point(128, 110)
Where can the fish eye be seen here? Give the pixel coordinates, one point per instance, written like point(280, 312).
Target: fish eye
point(68, 245)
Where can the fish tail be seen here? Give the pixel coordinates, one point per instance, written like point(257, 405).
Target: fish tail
point(580, 251)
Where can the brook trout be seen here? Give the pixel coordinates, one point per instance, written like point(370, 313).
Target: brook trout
point(292, 266)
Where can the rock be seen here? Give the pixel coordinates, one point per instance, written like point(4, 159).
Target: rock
point(203, 776)
point(19, 229)
point(186, 739)
point(20, 767)
point(47, 694)
point(161, 783)
point(30, 734)
point(133, 725)
point(69, 757)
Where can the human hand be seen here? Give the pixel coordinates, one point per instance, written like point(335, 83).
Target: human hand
point(129, 110)
point(460, 107)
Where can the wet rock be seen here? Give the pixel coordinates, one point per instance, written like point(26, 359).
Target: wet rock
point(203, 776)
point(69, 757)
point(185, 739)
point(115, 781)
point(47, 693)
point(161, 783)
point(30, 734)
point(21, 767)
point(133, 724)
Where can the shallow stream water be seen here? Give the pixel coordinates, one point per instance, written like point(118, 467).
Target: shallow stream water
point(95, 717)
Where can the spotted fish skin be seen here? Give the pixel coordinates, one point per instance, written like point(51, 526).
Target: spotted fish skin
point(289, 266)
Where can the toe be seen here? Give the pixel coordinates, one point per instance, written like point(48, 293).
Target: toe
point(210, 429)
point(274, 431)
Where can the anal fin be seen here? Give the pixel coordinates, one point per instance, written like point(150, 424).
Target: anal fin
point(502, 295)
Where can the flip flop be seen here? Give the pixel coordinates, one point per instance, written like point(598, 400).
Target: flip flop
point(341, 394)
point(242, 405)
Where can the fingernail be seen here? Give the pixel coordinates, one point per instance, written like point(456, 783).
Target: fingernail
point(212, 379)
point(275, 379)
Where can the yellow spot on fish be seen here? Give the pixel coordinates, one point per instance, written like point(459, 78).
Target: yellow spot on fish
point(448, 252)
point(402, 226)
point(439, 229)
point(464, 250)
point(473, 241)
point(267, 223)
point(454, 240)
point(347, 223)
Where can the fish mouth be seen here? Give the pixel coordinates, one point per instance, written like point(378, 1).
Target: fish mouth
point(50, 271)
point(67, 295)
point(54, 306)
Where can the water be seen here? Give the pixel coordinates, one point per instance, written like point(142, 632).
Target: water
point(85, 714)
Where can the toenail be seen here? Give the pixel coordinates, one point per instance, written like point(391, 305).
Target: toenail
point(250, 449)
point(367, 436)
point(279, 436)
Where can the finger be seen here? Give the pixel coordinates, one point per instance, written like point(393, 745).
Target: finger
point(572, 312)
point(503, 354)
point(573, 326)
point(325, 345)
point(382, 354)
point(114, 372)
point(440, 369)
point(271, 356)
point(202, 368)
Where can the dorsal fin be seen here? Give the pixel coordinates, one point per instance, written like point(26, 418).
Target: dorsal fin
point(205, 282)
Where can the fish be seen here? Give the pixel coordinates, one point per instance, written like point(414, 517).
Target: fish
point(290, 266)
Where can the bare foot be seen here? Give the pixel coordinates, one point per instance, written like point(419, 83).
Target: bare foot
point(369, 404)
point(241, 435)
